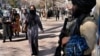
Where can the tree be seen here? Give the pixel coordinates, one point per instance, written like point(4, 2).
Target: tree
point(13, 3)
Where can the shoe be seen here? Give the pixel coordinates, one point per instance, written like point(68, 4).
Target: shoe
point(10, 40)
point(26, 38)
point(4, 41)
point(34, 55)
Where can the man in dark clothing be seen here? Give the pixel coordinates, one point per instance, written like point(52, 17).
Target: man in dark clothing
point(49, 13)
point(57, 14)
point(80, 10)
point(6, 21)
point(63, 12)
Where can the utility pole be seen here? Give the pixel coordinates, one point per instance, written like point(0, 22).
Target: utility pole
point(25, 4)
point(53, 4)
point(46, 9)
point(46, 5)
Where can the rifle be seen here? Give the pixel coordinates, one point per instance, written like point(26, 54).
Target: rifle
point(64, 32)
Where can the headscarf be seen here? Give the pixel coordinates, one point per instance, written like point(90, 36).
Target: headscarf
point(33, 12)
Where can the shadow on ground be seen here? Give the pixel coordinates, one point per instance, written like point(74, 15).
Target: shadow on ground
point(53, 28)
point(47, 36)
point(47, 52)
point(22, 37)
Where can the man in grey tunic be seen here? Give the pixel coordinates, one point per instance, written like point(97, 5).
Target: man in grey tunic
point(6, 21)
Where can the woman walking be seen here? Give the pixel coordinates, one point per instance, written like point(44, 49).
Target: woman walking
point(33, 22)
point(16, 23)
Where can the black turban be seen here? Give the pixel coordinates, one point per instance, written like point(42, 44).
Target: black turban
point(84, 5)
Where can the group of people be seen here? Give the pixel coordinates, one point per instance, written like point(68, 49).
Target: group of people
point(14, 22)
point(10, 23)
point(78, 35)
point(56, 12)
point(29, 21)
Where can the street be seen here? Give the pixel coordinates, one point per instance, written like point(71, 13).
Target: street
point(47, 41)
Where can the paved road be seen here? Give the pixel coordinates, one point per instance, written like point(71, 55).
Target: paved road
point(47, 41)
